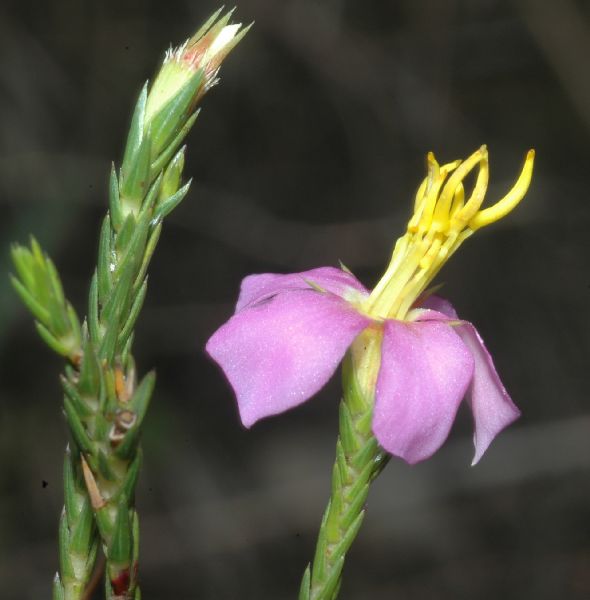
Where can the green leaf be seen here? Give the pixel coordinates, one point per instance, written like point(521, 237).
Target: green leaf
point(55, 344)
point(128, 487)
point(362, 479)
point(152, 195)
point(93, 323)
point(133, 315)
point(135, 530)
point(78, 403)
point(125, 233)
point(82, 531)
point(104, 468)
point(39, 312)
point(121, 543)
point(139, 404)
point(366, 454)
point(165, 207)
point(135, 177)
point(342, 548)
point(108, 346)
point(135, 248)
point(105, 263)
point(22, 258)
point(126, 351)
point(332, 580)
point(75, 328)
point(173, 175)
point(341, 462)
point(54, 281)
point(78, 430)
point(319, 559)
point(305, 584)
point(135, 135)
point(355, 507)
point(346, 429)
point(71, 493)
point(118, 302)
point(90, 372)
point(147, 254)
point(116, 211)
point(66, 568)
point(58, 592)
point(159, 163)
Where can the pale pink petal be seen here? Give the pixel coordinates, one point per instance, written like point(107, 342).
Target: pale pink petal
point(440, 305)
point(255, 288)
point(425, 372)
point(492, 407)
point(281, 351)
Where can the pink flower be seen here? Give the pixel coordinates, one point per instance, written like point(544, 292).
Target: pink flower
point(413, 359)
point(290, 332)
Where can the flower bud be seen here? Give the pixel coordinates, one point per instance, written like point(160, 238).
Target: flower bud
point(187, 73)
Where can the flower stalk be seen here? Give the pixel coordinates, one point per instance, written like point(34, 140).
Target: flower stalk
point(359, 460)
point(104, 403)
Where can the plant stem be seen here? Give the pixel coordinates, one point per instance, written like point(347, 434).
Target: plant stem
point(104, 404)
point(358, 461)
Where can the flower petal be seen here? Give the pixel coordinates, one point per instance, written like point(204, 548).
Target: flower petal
point(492, 407)
point(280, 352)
point(255, 288)
point(425, 372)
point(440, 305)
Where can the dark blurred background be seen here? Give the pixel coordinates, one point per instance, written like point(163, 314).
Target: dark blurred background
point(308, 152)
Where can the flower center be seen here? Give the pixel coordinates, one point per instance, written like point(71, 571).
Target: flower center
point(442, 219)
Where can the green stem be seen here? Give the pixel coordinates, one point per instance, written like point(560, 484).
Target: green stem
point(358, 461)
point(78, 539)
point(104, 405)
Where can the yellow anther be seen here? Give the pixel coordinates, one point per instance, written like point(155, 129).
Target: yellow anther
point(510, 200)
point(443, 209)
point(422, 216)
point(473, 203)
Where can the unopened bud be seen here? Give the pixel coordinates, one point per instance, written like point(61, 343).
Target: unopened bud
point(193, 66)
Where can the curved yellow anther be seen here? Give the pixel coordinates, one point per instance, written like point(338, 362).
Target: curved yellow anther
point(433, 181)
point(510, 200)
point(473, 203)
point(441, 219)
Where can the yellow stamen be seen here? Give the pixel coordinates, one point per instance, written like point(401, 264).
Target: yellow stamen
point(442, 220)
point(510, 200)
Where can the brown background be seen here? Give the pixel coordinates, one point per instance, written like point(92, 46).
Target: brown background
point(308, 152)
